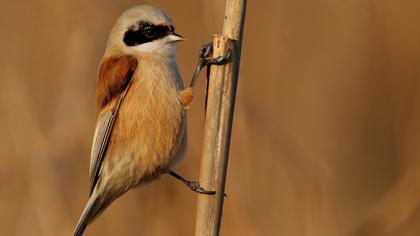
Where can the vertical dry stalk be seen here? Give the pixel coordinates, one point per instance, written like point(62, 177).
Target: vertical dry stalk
point(218, 122)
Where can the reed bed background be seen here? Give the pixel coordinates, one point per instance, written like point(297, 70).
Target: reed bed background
point(326, 131)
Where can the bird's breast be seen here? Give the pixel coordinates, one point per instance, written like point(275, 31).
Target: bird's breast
point(149, 125)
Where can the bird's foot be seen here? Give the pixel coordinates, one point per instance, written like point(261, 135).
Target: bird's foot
point(193, 185)
point(206, 55)
point(205, 58)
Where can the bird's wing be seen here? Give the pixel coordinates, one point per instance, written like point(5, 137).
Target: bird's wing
point(113, 82)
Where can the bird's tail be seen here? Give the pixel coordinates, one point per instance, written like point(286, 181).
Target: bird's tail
point(93, 208)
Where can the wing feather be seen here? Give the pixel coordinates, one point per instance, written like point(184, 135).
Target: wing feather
point(113, 83)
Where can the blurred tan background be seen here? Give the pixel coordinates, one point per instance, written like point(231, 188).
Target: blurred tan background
point(326, 132)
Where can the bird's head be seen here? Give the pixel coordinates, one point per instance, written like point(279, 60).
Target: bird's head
point(144, 30)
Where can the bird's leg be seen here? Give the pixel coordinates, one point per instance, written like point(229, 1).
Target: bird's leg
point(193, 185)
point(205, 59)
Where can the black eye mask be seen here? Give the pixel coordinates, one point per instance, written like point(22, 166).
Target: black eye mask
point(146, 32)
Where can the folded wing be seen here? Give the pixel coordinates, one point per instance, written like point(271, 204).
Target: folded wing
point(113, 82)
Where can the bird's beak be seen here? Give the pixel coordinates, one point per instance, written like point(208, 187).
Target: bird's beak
point(174, 37)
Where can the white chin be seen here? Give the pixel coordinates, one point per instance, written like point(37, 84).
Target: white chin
point(161, 46)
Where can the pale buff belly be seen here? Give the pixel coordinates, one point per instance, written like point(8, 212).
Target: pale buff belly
point(148, 135)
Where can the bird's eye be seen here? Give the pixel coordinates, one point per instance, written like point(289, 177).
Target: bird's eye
point(149, 32)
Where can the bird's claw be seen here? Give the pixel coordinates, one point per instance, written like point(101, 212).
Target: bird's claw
point(205, 58)
point(195, 186)
point(206, 52)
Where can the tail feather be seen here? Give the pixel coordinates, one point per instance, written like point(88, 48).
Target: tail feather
point(92, 209)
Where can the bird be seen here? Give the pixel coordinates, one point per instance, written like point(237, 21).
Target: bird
point(141, 104)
